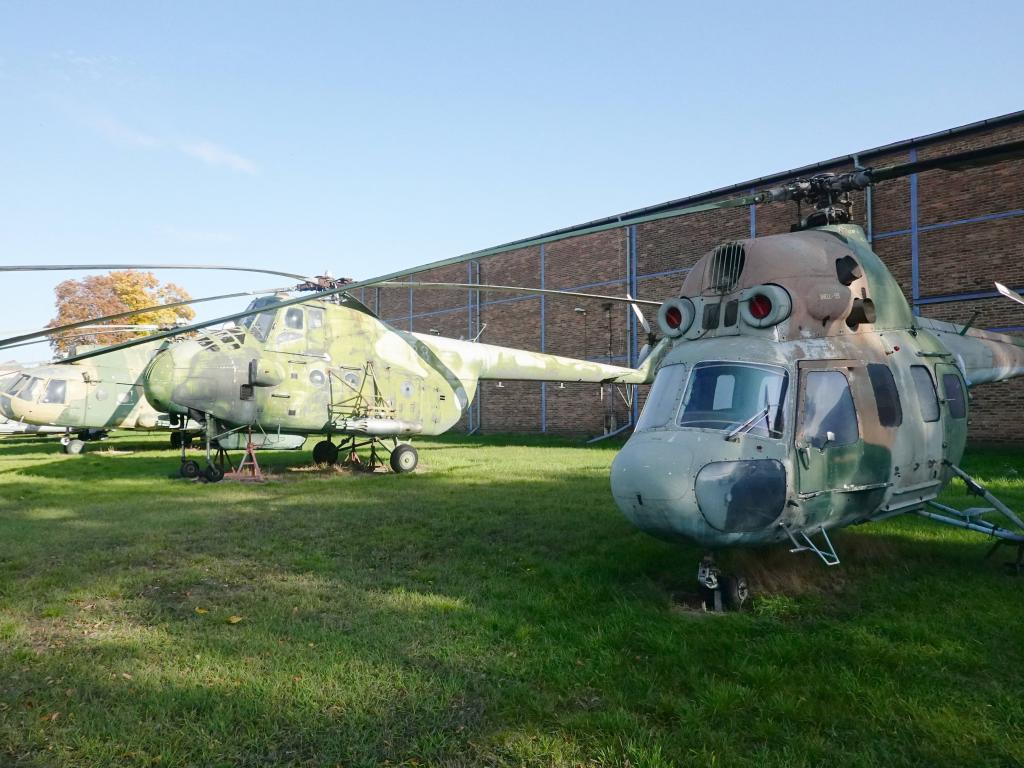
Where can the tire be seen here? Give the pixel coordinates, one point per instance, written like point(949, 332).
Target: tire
point(74, 447)
point(213, 473)
point(325, 452)
point(734, 592)
point(176, 440)
point(189, 469)
point(404, 458)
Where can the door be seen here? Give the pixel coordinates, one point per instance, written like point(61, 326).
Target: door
point(839, 475)
point(827, 438)
point(953, 393)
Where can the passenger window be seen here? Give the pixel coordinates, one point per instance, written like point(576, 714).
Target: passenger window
point(887, 396)
point(56, 392)
point(663, 399)
point(925, 392)
point(293, 318)
point(827, 407)
point(955, 399)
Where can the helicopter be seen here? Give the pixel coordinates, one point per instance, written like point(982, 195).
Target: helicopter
point(801, 394)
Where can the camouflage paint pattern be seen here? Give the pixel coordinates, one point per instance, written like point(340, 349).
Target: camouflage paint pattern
point(833, 280)
point(101, 393)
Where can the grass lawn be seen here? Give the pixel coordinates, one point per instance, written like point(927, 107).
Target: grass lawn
point(493, 609)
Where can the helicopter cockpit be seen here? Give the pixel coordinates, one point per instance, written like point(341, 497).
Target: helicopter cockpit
point(34, 389)
point(292, 329)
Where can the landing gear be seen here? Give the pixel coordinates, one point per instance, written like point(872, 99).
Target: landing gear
point(73, 446)
point(325, 452)
point(213, 473)
point(404, 458)
point(190, 469)
point(720, 592)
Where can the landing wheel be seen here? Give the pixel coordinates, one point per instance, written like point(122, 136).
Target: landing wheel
point(325, 452)
point(734, 592)
point(74, 447)
point(213, 473)
point(404, 458)
point(189, 469)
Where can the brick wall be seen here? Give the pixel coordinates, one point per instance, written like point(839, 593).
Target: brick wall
point(968, 232)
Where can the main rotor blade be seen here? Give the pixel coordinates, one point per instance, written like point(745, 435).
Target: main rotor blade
point(513, 289)
point(105, 328)
point(959, 161)
point(10, 341)
point(73, 267)
point(1010, 293)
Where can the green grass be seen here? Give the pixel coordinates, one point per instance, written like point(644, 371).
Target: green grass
point(494, 609)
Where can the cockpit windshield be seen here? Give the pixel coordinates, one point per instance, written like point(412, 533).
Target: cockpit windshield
point(737, 398)
point(259, 325)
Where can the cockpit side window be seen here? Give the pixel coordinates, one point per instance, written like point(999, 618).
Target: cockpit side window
point(293, 318)
point(17, 384)
point(663, 399)
point(827, 408)
point(56, 392)
point(261, 325)
point(316, 318)
point(32, 390)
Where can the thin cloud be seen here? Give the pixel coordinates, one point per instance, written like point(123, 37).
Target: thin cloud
point(119, 133)
point(216, 155)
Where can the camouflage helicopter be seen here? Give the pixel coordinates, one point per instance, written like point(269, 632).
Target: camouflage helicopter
point(801, 394)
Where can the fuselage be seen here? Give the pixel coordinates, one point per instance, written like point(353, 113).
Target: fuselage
point(336, 368)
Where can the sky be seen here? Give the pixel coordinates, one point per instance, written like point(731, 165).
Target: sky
point(364, 138)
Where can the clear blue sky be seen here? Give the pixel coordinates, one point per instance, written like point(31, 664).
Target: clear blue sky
point(369, 137)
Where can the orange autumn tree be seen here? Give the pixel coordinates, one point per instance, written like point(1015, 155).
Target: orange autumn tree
point(109, 294)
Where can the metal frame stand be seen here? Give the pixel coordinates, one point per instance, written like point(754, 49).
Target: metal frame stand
point(248, 469)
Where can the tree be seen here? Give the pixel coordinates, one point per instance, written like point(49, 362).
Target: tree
point(109, 294)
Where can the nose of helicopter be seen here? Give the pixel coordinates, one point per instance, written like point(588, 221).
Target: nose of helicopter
point(673, 489)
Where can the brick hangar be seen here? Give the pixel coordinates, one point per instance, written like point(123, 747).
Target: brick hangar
point(945, 236)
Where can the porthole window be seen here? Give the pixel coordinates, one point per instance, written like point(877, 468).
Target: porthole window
point(317, 378)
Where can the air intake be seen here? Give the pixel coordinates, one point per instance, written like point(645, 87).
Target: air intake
point(725, 267)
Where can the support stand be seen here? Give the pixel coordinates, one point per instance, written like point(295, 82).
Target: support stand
point(248, 470)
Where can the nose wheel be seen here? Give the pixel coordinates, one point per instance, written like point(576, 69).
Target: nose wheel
point(719, 591)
